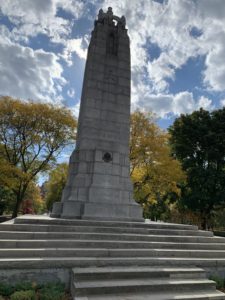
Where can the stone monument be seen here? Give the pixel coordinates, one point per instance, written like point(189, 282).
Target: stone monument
point(99, 185)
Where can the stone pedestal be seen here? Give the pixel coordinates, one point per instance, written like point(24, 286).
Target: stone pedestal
point(99, 184)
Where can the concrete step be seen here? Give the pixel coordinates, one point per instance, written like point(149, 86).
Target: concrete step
point(142, 283)
point(70, 262)
point(51, 221)
point(101, 252)
point(101, 229)
point(200, 295)
point(71, 229)
point(103, 287)
point(138, 279)
point(183, 232)
point(136, 272)
point(109, 236)
point(111, 260)
point(113, 244)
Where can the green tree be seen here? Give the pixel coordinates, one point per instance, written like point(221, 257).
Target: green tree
point(31, 136)
point(154, 172)
point(55, 185)
point(33, 201)
point(198, 141)
point(6, 198)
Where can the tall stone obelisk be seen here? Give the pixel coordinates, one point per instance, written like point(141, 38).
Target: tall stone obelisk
point(99, 185)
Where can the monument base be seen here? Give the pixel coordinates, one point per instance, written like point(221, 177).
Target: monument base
point(95, 210)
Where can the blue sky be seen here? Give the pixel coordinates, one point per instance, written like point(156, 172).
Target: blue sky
point(177, 52)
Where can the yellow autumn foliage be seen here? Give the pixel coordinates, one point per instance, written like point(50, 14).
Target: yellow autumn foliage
point(154, 172)
point(32, 134)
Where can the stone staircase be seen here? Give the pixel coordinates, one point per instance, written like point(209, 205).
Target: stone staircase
point(113, 260)
point(142, 283)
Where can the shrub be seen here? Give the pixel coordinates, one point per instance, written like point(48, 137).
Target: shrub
point(59, 286)
point(23, 295)
point(24, 286)
point(6, 289)
point(52, 291)
point(27, 291)
point(220, 282)
point(49, 294)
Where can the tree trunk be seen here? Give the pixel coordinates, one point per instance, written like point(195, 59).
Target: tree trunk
point(19, 199)
point(16, 208)
point(204, 223)
point(205, 220)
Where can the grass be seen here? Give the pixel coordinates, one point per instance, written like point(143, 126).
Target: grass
point(34, 291)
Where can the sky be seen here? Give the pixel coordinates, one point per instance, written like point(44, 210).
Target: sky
point(177, 52)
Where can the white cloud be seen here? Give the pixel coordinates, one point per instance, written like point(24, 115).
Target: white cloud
point(32, 17)
point(222, 102)
point(168, 25)
point(205, 103)
point(36, 74)
point(26, 73)
point(214, 75)
point(71, 93)
point(211, 9)
point(165, 104)
point(75, 7)
point(78, 46)
point(75, 109)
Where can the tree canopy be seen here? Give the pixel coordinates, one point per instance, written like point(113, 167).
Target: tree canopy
point(55, 184)
point(155, 173)
point(31, 136)
point(198, 141)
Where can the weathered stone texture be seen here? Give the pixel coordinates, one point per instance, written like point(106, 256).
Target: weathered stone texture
point(99, 184)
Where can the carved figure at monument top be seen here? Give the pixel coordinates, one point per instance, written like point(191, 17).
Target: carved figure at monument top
point(109, 17)
point(99, 184)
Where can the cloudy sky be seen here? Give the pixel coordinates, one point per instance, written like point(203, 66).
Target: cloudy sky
point(177, 51)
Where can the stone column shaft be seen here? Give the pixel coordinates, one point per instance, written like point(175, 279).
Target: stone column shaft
point(99, 184)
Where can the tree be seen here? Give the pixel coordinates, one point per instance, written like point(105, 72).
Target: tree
point(154, 172)
point(33, 202)
point(31, 136)
point(198, 141)
point(6, 198)
point(55, 185)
